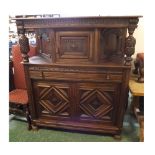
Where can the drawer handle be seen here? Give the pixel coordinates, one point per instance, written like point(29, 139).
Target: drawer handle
point(108, 77)
point(48, 40)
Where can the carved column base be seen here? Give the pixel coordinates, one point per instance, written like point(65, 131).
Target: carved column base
point(128, 61)
point(25, 57)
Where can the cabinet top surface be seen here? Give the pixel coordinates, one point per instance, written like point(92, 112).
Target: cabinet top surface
point(36, 21)
point(41, 61)
point(40, 17)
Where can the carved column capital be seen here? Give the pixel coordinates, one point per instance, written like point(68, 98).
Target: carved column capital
point(132, 25)
point(130, 41)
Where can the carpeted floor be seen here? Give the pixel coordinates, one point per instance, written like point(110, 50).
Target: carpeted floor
point(18, 133)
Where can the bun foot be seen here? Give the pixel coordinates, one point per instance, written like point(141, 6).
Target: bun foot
point(35, 128)
point(117, 137)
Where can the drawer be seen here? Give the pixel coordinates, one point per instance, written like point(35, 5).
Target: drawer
point(35, 74)
point(76, 74)
point(83, 76)
point(113, 76)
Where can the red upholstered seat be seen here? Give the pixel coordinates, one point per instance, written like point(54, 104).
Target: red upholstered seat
point(18, 96)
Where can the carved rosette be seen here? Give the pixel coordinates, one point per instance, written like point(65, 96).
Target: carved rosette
point(130, 41)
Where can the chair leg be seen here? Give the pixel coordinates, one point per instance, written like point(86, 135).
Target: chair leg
point(28, 118)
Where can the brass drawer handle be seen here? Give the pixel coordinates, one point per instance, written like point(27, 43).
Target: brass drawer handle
point(48, 40)
point(108, 77)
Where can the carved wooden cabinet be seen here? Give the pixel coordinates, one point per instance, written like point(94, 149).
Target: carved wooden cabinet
point(79, 80)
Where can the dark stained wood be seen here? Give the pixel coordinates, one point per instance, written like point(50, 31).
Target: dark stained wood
point(80, 78)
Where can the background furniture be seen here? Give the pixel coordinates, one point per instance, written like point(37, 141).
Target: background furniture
point(139, 67)
point(137, 106)
point(18, 98)
point(80, 78)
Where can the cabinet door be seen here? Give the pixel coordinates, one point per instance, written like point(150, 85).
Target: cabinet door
point(112, 43)
point(74, 45)
point(52, 99)
point(98, 102)
point(46, 42)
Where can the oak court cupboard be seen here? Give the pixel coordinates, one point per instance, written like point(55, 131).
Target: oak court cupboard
point(79, 79)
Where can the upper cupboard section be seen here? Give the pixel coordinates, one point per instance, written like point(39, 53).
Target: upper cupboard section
point(89, 45)
point(91, 40)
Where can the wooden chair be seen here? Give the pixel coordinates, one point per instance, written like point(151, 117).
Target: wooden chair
point(18, 98)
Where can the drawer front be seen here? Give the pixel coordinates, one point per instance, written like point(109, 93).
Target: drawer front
point(83, 76)
point(76, 75)
point(35, 74)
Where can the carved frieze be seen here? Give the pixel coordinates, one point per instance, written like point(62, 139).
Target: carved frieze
point(76, 69)
point(70, 22)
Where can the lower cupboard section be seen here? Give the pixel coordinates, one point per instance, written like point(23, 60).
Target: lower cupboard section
point(75, 105)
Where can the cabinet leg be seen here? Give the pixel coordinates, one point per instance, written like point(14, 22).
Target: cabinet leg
point(29, 127)
point(28, 118)
point(34, 128)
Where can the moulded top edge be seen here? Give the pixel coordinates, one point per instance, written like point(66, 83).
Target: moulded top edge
point(25, 17)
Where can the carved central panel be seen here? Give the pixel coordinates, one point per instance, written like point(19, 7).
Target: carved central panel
point(78, 45)
point(96, 104)
point(74, 44)
point(53, 100)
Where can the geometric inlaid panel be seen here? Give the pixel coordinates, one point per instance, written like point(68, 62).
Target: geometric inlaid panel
point(97, 104)
point(54, 100)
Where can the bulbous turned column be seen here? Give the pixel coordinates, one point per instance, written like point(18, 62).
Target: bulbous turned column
point(130, 41)
point(24, 46)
